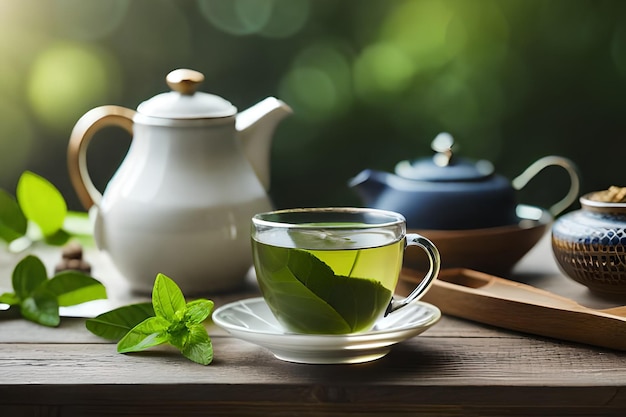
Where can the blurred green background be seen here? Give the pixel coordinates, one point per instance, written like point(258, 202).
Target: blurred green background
point(371, 82)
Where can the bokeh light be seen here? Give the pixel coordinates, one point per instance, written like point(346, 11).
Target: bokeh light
point(420, 29)
point(319, 83)
point(68, 79)
point(371, 82)
point(382, 69)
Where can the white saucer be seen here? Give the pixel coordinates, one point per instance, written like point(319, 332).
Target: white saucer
point(251, 320)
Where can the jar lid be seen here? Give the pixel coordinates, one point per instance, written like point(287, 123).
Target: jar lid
point(591, 202)
point(184, 102)
point(443, 166)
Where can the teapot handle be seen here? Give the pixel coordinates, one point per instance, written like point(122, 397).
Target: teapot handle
point(83, 132)
point(536, 167)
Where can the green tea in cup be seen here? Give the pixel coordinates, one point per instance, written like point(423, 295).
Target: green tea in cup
point(333, 270)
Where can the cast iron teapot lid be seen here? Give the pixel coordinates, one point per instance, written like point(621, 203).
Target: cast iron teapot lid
point(444, 166)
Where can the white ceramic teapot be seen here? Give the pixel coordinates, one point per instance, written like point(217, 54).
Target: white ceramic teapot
point(182, 199)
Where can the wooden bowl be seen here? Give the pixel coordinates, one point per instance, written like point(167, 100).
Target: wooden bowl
point(493, 250)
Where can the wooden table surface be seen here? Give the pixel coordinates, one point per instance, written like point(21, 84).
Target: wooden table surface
point(455, 368)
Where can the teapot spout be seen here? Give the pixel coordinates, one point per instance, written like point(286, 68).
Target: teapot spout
point(369, 185)
point(256, 126)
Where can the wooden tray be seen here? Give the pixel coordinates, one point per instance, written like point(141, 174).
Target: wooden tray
point(512, 305)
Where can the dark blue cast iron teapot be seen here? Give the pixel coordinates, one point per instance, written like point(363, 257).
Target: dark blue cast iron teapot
point(447, 192)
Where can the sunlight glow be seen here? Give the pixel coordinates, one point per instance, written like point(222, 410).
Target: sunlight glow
point(382, 68)
point(66, 80)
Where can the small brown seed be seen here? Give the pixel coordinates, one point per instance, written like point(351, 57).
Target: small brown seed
point(72, 250)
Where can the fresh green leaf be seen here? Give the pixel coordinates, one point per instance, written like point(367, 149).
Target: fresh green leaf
point(197, 311)
point(41, 202)
point(42, 308)
point(150, 332)
point(38, 298)
point(73, 287)
point(113, 325)
point(178, 334)
point(12, 221)
point(58, 238)
point(39, 213)
point(297, 284)
point(28, 274)
point(296, 305)
point(358, 300)
point(198, 347)
point(170, 320)
point(167, 299)
point(9, 298)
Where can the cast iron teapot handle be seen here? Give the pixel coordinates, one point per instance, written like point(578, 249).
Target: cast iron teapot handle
point(521, 180)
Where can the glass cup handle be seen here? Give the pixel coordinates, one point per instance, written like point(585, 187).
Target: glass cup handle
point(413, 239)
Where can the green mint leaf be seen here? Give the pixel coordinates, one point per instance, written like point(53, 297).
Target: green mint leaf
point(357, 300)
point(150, 332)
point(170, 320)
point(198, 347)
point(167, 299)
point(197, 311)
point(299, 306)
point(28, 274)
point(73, 287)
point(42, 308)
point(114, 324)
point(41, 202)
point(13, 223)
point(9, 298)
point(178, 336)
point(39, 298)
point(58, 238)
point(299, 283)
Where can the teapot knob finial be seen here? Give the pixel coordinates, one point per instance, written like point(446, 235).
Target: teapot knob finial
point(185, 81)
point(442, 144)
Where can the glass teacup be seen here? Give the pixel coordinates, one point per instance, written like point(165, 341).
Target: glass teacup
point(334, 270)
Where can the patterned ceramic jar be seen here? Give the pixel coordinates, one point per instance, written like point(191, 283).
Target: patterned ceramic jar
point(590, 245)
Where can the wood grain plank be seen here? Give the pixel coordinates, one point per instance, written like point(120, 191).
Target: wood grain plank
point(420, 361)
point(286, 409)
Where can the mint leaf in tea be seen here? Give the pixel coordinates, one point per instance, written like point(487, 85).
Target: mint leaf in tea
point(326, 282)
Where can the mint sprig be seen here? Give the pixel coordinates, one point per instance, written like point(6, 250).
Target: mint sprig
point(38, 213)
point(114, 324)
point(172, 321)
point(38, 298)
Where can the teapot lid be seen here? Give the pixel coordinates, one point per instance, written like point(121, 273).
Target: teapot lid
point(443, 166)
point(184, 102)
